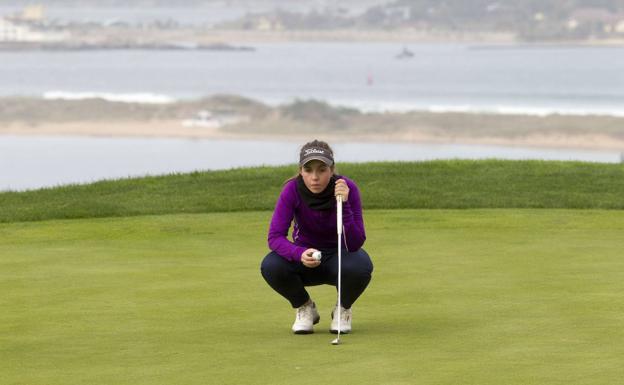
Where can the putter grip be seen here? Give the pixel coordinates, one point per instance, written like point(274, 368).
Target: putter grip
point(339, 213)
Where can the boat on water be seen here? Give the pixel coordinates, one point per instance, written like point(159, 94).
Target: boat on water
point(405, 54)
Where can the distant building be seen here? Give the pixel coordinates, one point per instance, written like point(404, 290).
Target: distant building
point(592, 16)
point(587, 15)
point(398, 12)
point(14, 32)
point(33, 14)
point(596, 20)
point(572, 24)
point(28, 26)
point(267, 24)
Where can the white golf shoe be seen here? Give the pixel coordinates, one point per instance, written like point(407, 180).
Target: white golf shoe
point(345, 321)
point(306, 318)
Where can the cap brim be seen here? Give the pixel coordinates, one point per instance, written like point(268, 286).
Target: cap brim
point(323, 159)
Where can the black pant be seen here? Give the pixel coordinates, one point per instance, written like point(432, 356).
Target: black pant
point(290, 278)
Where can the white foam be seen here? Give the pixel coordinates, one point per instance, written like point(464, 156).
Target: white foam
point(144, 98)
point(368, 106)
point(380, 107)
point(530, 110)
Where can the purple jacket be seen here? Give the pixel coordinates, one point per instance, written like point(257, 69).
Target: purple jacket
point(314, 228)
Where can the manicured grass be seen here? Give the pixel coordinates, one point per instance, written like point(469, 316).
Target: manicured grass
point(431, 185)
point(458, 297)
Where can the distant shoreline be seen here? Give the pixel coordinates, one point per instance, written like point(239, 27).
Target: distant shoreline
point(235, 117)
point(106, 46)
point(173, 129)
point(399, 36)
point(240, 40)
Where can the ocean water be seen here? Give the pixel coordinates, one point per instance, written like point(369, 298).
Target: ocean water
point(504, 79)
point(36, 162)
point(447, 77)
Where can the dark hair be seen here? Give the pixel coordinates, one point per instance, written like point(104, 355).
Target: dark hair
point(315, 143)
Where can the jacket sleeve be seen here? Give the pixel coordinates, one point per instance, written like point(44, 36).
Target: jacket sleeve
point(280, 224)
point(352, 220)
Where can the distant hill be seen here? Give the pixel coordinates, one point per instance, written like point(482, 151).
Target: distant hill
point(526, 19)
point(529, 19)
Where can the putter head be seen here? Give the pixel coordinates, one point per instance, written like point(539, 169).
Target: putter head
point(336, 341)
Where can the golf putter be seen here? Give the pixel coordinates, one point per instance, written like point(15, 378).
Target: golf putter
point(336, 341)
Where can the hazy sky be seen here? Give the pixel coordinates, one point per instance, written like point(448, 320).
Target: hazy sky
point(183, 11)
point(182, 3)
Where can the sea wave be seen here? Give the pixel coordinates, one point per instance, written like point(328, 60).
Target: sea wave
point(146, 98)
point(493, 109)
point(370, 106)
point(531, 111)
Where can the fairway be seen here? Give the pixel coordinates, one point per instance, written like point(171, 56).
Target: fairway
point(496, 296)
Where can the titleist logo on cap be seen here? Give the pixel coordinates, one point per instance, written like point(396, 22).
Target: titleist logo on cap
point(319, 153)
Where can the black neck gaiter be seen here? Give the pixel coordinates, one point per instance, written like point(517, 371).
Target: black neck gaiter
point(321, 201)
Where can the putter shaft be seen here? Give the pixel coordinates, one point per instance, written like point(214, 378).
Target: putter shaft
point(339, 228)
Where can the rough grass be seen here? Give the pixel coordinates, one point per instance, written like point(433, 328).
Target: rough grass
point(386, 185)
point(458, 297)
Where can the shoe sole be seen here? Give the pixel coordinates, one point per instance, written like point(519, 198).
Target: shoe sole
point(316, 320)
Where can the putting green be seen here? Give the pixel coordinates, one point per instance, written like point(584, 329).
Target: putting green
point(457, 297)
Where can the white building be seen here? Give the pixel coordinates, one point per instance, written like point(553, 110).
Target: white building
point(12, 32)
point(22, 33)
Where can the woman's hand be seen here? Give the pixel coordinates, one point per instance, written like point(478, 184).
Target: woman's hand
point(308, 260)
point(342, 189)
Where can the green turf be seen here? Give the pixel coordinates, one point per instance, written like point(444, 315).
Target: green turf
point(393, 185)
point(458, 297)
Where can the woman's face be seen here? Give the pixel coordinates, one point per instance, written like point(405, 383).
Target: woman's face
point(316, 175)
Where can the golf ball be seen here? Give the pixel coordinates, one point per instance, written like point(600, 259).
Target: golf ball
point(316, 255)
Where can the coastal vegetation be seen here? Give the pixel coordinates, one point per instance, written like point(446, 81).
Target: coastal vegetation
point(588, 21)
point(253, 119)
point(527, 20)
